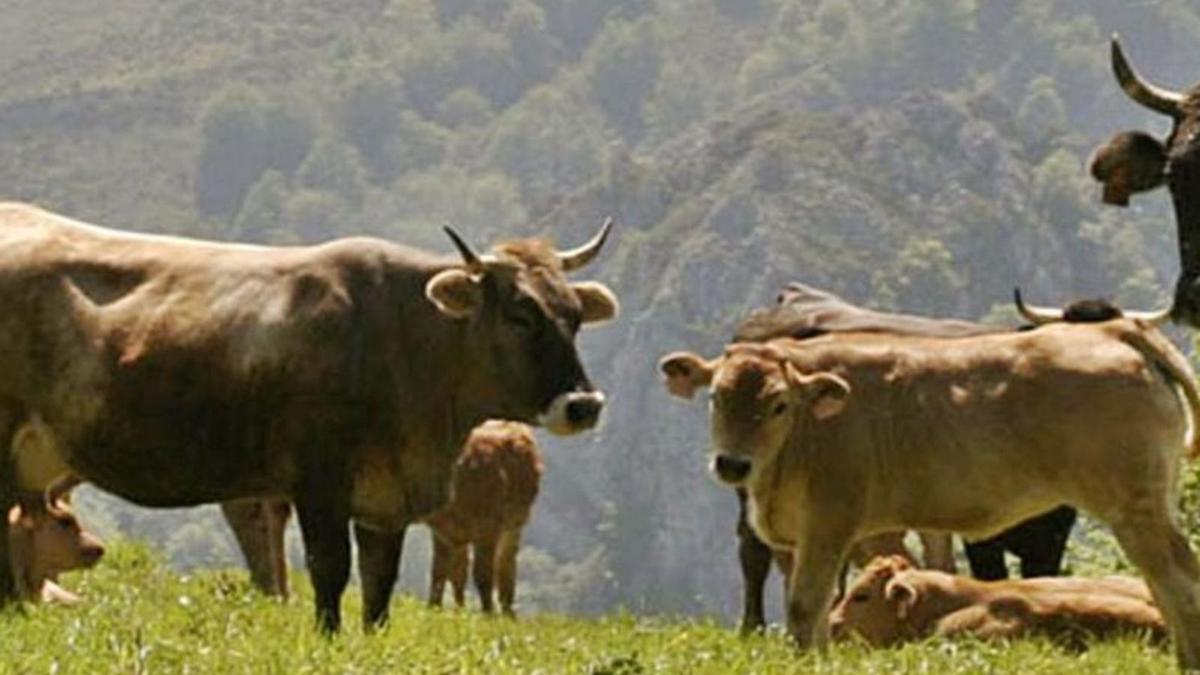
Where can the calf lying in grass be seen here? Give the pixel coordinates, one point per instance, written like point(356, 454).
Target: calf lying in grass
point(45, 540)
point(891, 602)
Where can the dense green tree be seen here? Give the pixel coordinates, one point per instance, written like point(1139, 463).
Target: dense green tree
point(233, 154)
point(370, 109)
point(622, 71)
point(245, 134)
point(465, 108)
point(534, 49)
point(263, 209)
point(334, 166)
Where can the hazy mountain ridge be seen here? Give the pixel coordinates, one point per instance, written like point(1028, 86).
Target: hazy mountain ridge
point(923, 156)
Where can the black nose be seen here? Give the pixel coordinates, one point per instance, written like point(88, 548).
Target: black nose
point(583, 412)
point(731, 469)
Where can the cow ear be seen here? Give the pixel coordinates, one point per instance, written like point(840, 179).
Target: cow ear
point(903, 594)
point(599, 303)
point(685, 372)
point(825, 393)
point(455, 292)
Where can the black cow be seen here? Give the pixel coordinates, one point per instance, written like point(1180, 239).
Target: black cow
point(1134, 161)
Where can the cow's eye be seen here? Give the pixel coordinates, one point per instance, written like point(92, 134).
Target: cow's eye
point(860, 597)
point(779, 408)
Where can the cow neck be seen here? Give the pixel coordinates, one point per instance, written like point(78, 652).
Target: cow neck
point(433, 368)
point(1184, 180)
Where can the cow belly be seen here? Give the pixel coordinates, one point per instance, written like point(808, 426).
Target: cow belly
point(177, 464)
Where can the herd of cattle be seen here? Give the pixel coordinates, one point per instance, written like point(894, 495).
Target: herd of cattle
point(353, 382)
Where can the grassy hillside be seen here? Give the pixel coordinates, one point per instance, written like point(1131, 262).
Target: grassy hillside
point(921, 155)
point(141, 617)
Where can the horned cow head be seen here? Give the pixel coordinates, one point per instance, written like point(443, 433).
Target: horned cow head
point(521, 316)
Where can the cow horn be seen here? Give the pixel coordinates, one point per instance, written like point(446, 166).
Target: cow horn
point(578, 257)
point(1154, 318)
point(1156, 98)
point(473, 262)
point(1036, 315)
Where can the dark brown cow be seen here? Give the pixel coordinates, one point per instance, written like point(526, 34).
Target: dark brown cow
point(45, 540)
point(1134, 161)
point(492, 490)
point(344, 376)
point(891, 603)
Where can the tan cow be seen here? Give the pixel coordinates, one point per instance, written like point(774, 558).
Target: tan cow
point(45, 540)
point(891, 602)
point(492, 490)
point(843, 436)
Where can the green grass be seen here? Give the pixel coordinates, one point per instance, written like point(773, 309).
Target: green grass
point(141, 617)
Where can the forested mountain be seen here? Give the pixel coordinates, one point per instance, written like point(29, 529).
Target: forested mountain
point(924, 155)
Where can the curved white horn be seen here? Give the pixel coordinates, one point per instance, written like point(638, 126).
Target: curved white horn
point(1156, 98)
point(1154, 318)
point(578, 257)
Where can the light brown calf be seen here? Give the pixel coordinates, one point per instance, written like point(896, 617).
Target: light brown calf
point(492, 490)
point(844, 436)
point(45, 540)
point(891, 602)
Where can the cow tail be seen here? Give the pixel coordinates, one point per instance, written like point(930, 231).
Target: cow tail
point(1155, 346)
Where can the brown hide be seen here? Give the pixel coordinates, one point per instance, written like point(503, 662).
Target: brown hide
point(493, 487)
point(891, 603)
point(344, 376)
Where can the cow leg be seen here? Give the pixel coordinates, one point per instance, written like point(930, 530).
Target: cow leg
point(279, 512)
point(439, 570)
point(458, 573)
point(378, 564)
point(815, 566)
point(325, 531)
point(483, 567)
point(986, 559)
point(506, 569)
point(938, 551)
point(1042, 554)
point(1162, 553)
point(755, 559)
point(257, 529)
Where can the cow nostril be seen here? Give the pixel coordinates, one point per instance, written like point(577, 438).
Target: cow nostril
point(584, 411)
point(732, 468)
